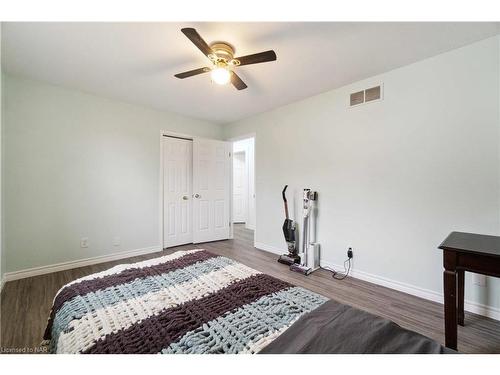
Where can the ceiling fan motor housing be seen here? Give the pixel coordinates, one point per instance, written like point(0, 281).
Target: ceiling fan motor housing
point(223, 52)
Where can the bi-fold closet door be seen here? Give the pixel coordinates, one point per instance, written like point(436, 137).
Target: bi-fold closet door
point(196, 190)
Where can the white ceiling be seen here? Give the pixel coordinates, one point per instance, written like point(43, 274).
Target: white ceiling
point(136, 62)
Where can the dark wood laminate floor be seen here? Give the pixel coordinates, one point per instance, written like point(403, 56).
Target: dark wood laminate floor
point(25, 304)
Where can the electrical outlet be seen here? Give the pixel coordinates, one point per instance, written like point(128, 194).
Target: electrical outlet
point(84, 242)
point(116, 241)
point(478, 279)
point(349, 253)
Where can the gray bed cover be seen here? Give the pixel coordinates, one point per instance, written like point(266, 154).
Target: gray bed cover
point(337, 328)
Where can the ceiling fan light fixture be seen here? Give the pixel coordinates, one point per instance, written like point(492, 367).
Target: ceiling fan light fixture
point(221, 55)
point(221, 75)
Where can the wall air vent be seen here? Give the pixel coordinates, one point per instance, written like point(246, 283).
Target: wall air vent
point(372, 94)
point(365, 96)
point(357, 98)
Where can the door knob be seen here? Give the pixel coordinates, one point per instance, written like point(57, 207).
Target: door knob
point(185, 197)
point(197, 196)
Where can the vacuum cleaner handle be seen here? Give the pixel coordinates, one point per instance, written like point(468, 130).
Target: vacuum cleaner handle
point(284, 200)
point(283, 193)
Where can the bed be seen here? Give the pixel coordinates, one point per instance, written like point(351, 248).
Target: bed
point(198, 302)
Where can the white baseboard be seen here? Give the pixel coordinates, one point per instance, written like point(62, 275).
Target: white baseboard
point(473, 307)
point(9, 276)
point(480, 309)
point(269, 248)
point(2, 283)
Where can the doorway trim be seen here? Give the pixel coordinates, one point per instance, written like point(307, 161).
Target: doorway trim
point(236, 155)
point(232, 140)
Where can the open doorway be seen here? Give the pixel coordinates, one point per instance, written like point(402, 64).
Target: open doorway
point(244, 188)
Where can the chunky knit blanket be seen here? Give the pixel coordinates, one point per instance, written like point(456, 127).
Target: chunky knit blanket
point(186, 302)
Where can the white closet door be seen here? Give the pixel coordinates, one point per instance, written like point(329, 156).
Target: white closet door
point(211, 189)
point(177, 191)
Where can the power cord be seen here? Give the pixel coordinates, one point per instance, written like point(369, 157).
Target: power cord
point(342, 275)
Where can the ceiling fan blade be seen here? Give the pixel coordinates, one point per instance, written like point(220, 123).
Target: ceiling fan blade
point(193, 72)
point(257, 58)
point(197, 40)
point(237, 82)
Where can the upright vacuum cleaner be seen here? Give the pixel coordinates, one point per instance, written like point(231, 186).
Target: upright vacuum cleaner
point(310, 249)
point(289, 229)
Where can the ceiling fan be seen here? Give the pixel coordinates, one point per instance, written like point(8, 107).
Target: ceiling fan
point(221, 55)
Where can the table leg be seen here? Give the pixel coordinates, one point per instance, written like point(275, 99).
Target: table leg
point(460, 296)
point(450, 308)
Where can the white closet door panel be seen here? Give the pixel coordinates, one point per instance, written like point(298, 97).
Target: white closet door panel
point(177, 193)
point(211, 189)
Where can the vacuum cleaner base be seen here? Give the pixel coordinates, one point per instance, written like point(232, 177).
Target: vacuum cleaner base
point(301, 269)
point(289, 259)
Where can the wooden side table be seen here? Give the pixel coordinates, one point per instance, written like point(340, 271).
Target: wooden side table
point(464, 252)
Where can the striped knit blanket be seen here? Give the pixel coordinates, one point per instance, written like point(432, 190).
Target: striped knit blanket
point(186, 302)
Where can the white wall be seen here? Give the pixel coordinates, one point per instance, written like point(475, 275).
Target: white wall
point(394, 177)
point(78, 165)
